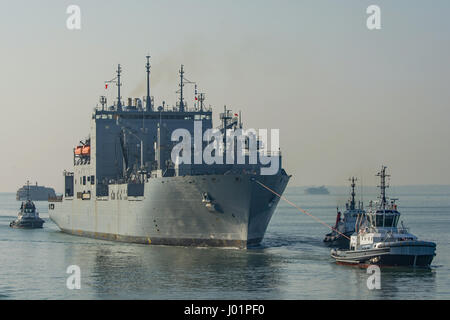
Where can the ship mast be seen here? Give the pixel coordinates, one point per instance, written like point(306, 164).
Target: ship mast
point(201, 99)
point(119, 103)
point(148, 104)
point(181, 89)
point(28, 190)
point(352, 201)
point(382, 174)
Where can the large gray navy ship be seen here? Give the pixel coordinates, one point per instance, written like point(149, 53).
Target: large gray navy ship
point(126, 186)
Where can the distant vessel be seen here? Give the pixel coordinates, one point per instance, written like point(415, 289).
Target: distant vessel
point(380, 241)
point(317, 190)
point(37, 193)
point(28, 217)
point(344, 228)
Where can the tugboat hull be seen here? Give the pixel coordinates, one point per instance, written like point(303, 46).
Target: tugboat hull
point(337, 240)
point(405, 253)
point(35, 224)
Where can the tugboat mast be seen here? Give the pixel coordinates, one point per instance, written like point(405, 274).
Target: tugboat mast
point(382, 174)
point(28, 190)
point(352, 201)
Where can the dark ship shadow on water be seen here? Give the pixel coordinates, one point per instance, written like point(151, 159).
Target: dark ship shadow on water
point(395, 282)
point(275, 240)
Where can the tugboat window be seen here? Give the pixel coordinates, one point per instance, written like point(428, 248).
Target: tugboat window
point(379, 220)
point(389, 219)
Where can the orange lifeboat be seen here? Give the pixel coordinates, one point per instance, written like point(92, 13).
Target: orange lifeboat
point(78, 150)
point(86, 150)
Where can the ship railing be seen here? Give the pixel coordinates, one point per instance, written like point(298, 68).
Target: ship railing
point(270, 153)
point(403, 230)
point(165, 109)
point(246, 152)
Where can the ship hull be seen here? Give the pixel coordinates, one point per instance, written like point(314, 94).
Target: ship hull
point(172, 212)
point(35, 224)
point(405, 253)
point(338, 241)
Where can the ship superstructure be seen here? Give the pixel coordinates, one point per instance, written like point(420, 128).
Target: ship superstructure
point(126, 185)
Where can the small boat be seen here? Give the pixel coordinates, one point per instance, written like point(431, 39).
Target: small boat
point(340, 235)
point(28, 217)
point(379, 240)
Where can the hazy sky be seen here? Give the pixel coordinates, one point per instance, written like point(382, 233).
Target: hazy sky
point(345, 98)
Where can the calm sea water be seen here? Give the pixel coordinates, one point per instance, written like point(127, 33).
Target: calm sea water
point(292, 262)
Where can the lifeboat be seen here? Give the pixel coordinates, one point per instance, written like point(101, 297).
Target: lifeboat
point(78, 150)
point(86, 150)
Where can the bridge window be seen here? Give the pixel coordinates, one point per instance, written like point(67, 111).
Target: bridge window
point(388, 220)
point(379, 220)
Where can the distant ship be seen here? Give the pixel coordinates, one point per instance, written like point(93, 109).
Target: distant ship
point(37, 193)
point(317, 190)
